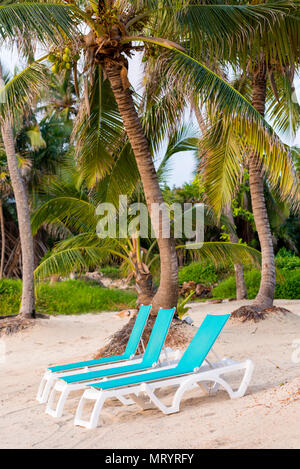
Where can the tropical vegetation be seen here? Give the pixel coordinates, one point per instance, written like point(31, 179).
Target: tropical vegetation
point(75, 133)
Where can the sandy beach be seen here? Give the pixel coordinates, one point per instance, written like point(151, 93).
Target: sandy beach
point(268, 416)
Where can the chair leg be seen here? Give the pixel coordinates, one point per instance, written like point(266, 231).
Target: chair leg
point(247, 366)
point(156, 401)
point(43, 394)
point(64, 392)
point(141, 401)
point(41, 388)
point(99, 397)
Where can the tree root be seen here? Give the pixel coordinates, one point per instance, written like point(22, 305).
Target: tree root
point(11, 325)
point(255, 312)
point(179, 336)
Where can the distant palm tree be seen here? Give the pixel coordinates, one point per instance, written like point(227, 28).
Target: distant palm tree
point(42, 20)
point(27, 308)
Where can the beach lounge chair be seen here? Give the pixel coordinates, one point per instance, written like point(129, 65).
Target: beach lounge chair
point(188, 373)
point(53, 372)
point(151, 359)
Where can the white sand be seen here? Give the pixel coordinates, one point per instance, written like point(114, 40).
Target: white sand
point(267, 417)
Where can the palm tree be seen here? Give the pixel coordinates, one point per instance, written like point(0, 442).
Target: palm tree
point(115, 28)
point(41, 19)
point(112, 37)
point(270, 64)
point(74, 209)
point(27, 308)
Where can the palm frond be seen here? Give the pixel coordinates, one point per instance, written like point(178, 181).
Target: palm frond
point(19, 91)
point(76, 214)
point(123, 178)
point(97, 131)
point(70, 260)
point(243, 118)
point(224, 27)
point(283, 110)
point(182, 139)
point(47, 20)
point(224, 253)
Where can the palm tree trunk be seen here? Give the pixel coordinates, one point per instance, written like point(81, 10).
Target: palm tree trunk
point(2, 240)
point(28, 300)
point(167, 293)
point(241, 290)
point(144, 287)
point(265, 296)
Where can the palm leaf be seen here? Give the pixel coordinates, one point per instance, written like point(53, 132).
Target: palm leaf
point(47, 20)
point(98, 131)
point(245, 121)
point(19, 91)
point(76, 214)
point(223, 253)
point(69, 260)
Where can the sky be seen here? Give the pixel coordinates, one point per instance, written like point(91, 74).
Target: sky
point(183, 164)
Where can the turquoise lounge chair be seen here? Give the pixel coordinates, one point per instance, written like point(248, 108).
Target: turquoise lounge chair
point(189, 372)
point(54, 372)
point(65, 384)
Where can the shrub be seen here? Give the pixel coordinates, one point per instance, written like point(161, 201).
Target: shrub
point(199, 273)
point(283, 252)
point(68, 297)
point(288, 263)
point(110, 271)
point(227, 288)
point(10, 296)
point(288, 287)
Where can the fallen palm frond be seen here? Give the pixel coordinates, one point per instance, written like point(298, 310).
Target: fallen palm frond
point(15, 324)
point(255, 313)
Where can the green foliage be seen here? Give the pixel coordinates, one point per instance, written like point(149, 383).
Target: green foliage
point(290, 287)
point(10, 296)
point(238, 211)
point(199, 273)
point(68, 297)
point(181, 308)
point(283, 252)
point(110, 271)
point(288, 263)
point(227, 288)
point(286, 288)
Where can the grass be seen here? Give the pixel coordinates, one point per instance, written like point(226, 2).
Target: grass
point(68, 297)
point(111, 271)
point(286, 287)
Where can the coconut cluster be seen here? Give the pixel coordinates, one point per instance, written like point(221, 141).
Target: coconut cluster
point(62, 59)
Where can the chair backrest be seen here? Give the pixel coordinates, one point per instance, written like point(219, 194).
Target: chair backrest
point(158, 336)
point(202, 342)
point(137, 330)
